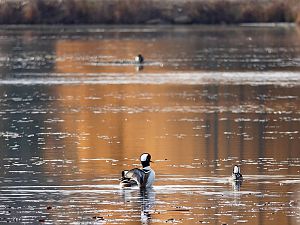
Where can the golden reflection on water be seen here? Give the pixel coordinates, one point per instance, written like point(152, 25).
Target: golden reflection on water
point(173, 122)
point(190, 131)
point(179, 123)
point(113, 56)
point(195, 48)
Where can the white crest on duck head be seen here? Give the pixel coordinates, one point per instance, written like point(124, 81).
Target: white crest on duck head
point(145, 157)
point(236, 169)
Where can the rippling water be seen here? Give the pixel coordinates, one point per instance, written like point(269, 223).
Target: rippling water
point(75, 111)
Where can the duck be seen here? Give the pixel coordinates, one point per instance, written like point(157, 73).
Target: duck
point(126, 181)
point(139, 59)
point(236, 173)
point(143, 178)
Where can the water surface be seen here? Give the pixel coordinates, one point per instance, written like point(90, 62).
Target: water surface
point(75, 111)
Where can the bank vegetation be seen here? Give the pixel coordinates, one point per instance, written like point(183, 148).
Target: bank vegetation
point(148, 11)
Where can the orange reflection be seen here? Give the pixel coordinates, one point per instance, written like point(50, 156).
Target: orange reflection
point(85, 56)
point(122, 121)
point(177, 124)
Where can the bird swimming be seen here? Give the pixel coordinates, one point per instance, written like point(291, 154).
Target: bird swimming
point(236, 173)
point(139, 59)
point(144, 178)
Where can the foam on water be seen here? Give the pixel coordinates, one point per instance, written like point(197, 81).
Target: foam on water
point(192, 78)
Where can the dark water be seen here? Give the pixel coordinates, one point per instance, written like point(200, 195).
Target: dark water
point(75, 111)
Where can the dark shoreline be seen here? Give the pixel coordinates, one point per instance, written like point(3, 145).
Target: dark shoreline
point(148, 12)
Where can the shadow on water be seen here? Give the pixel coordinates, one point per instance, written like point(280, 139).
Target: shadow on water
point(72, 117)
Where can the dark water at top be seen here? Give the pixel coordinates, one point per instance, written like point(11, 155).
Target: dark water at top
point(75, 111)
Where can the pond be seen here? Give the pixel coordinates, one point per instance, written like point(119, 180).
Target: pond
point(75, 111)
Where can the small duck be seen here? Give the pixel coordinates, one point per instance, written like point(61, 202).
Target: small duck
point(139, 59)
point(236, 174)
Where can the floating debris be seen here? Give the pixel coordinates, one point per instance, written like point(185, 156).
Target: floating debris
point(98, 218)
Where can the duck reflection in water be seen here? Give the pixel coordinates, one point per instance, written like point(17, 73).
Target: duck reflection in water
point(147, 205)
point(139, 68)
point(236, 185)
point(144, 200)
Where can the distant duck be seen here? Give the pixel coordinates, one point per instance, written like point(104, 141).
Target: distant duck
point(139, 59)
point(236, 173)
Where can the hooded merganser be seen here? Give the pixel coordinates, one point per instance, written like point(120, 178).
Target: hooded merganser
point(144, 177)
point(236, 173)
point(139, 58)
